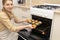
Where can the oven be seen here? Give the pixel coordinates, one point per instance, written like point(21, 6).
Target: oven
point(41, 32)
point(43, 13)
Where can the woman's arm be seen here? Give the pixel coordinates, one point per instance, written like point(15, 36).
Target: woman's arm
point(18, 21)
point(6, 22)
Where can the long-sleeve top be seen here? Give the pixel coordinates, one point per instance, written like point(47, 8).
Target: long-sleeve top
point(5, 22)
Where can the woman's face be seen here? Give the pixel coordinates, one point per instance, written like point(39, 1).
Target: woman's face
point(8, 6)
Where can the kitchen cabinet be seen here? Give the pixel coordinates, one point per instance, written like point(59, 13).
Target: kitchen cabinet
point(55, 31)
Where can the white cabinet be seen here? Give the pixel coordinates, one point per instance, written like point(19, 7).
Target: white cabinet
point(55, 31)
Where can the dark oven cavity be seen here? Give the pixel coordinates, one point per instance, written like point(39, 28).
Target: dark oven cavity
point(42, 30)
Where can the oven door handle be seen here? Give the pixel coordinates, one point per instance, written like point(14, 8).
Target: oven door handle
point(22, 37)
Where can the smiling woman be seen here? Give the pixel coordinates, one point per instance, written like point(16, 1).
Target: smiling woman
point(7, 29)
point(8, 5)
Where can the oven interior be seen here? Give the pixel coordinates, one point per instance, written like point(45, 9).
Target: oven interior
point(42, 30)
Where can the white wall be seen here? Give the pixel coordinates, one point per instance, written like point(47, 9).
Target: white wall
point(15, 2)
point(0, 4)
point(22, 12)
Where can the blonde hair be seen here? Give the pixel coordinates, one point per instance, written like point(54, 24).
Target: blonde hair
point(4, 1)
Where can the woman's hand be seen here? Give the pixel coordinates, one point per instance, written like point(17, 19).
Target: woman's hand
point(28, 20)
point(34, 26)
point(30, 26)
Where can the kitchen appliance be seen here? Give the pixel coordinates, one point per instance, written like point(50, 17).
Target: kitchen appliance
point(46, 10)
point(41, 32)
point(43, 13)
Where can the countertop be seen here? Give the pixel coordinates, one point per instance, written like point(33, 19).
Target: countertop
point(57, 11)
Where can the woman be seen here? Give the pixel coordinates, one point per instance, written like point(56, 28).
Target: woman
point(7, 30)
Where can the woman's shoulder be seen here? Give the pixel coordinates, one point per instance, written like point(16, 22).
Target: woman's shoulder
point(1, 12)
point(3, 15)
